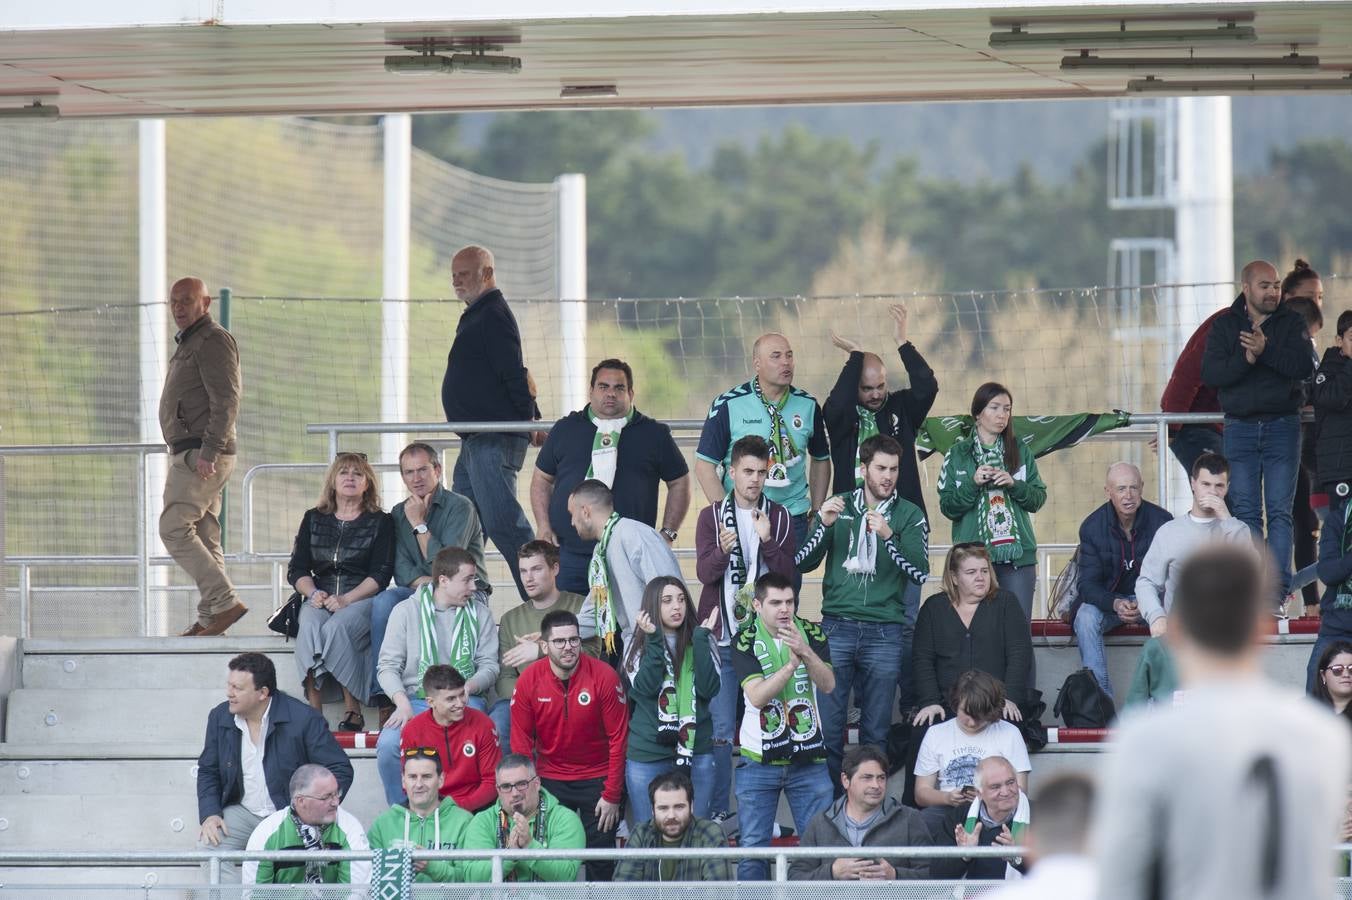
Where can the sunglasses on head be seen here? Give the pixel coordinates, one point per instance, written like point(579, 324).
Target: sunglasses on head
point(415, 752)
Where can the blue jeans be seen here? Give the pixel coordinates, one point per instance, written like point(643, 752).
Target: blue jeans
point(723, 710)
point(1192, 441)
point(758, 789)
point(382, 605)
point(485, 472)
point(501, 714)
point(910, 598)
point(1091, 624)
point(866, 658)
point(1264, 460)
point(388, 762)
point(1021, 581)
point(638, 775)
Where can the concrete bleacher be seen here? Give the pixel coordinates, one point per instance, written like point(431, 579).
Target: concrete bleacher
point(101, 737)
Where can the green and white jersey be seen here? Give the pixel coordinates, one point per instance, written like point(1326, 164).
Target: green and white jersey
point(443, 830)
point(278, 832)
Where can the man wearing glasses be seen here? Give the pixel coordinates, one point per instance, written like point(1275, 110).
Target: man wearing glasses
point(525, 817)
point(313, 821)
point(569, 713)
point(427, 822)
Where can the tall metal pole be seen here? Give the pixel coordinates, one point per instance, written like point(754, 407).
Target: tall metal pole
point(572, 290)
point(394, 288)
point(1204, 233)
point(153, 344)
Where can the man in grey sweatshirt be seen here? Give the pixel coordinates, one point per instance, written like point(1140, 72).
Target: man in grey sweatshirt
point(1208, 521)
point(628, 555)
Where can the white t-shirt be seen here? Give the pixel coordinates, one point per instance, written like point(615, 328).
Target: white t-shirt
point(954, 754)
point(1236, 791)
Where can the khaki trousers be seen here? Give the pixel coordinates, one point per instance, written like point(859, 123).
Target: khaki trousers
point(191, 530)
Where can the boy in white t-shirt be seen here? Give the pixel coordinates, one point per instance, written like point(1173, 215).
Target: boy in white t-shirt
point(945, 768)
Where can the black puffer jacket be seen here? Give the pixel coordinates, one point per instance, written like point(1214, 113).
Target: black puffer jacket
point(1332, 399)
point(340, 555)
point(1272, 385)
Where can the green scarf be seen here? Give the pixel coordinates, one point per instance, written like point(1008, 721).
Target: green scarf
point(598, 582)
point(790, 727)
point(868, 427)
point(392, 871)
point(996, 523)
point(1042, 434)
point(464, 637)
point(605, 451)
point(1343, 598)
point(783, 452)
point(677, 725)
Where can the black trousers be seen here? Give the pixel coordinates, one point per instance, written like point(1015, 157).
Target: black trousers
point(581, 797)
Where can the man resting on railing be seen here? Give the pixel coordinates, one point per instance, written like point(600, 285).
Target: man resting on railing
point(313, 821)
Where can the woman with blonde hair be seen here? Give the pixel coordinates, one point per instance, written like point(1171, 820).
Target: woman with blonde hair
point(343, 556)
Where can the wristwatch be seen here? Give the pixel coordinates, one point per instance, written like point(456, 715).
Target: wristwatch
point(668, 533)
point(420, 528)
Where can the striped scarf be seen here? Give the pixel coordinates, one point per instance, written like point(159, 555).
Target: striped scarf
point(464, 637)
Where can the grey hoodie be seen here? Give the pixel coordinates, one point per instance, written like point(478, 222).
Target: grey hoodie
point(635, 556)
point(897, 826)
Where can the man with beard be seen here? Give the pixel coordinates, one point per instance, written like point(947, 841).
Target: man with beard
point(875, 543)
point(674, 826)
point(569, 713)
point(864, 817)
point(526, 816)
point(427, 821)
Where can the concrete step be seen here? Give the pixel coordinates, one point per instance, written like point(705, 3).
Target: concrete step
point(46, 882)
point(148, 662)
point(126, 803)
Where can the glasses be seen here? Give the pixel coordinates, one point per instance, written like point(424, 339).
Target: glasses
point(565, 642)
point(419, 752)
point(507, 787)
point(1338, 671)
point(326, 799)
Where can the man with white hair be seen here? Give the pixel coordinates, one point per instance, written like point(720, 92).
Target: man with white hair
point(1113, 541)
point(312, 821)
point(486, 381)
point(998, 815)
point(1058, 844)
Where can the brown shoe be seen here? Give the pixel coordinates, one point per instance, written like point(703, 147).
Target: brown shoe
point(193, 630)
point(224, 620)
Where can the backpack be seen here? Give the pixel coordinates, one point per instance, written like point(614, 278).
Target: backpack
point(1082, 702)
point(1066, 591)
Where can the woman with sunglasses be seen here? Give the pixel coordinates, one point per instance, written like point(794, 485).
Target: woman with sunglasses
point(988, 486)
point(343, 556)
point(673, 674)
point(1333, 686)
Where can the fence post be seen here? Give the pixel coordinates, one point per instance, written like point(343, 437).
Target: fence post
point(142, 544)
point(225, 295)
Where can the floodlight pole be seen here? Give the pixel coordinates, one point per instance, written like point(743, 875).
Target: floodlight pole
point(153, 346)
point(394, 307)
point(574, 369)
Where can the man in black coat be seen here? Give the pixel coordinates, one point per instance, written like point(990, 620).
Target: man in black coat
point(1258, 357)
point(858, 407)
point(255, 740)
point(486, 381)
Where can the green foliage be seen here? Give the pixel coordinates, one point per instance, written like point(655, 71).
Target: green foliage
point(1298, 208)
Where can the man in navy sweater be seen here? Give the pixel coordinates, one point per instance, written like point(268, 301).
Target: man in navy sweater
point(1113, 541)
point(486, 381)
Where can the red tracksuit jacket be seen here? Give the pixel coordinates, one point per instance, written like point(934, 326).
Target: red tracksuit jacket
point(469, 752)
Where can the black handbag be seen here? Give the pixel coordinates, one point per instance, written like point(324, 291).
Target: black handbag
point(286, 619)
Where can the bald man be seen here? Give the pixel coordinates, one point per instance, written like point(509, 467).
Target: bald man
point(486, 381)
point(1257, 357)
point(789, 419)
point(1113, 540)
point(860, 406)
point(198, 409)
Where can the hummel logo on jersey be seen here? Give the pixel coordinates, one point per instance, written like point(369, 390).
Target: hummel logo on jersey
point(541, 699)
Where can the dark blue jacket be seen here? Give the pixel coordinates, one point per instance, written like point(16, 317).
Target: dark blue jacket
point(1110, 559)
point(1335, 567)
point(1272, 386)
point(485, 375)
point(296, 735)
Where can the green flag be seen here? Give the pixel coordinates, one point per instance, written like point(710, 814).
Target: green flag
point(1042, 434)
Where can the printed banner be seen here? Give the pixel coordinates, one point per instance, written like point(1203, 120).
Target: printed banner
point(1042, 434)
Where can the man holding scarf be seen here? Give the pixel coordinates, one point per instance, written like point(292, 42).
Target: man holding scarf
point(876, 544)
point(781, 662)
point(737, 540)
point(627, 555)
point(791, 422)
point(860, 406)
point(611, 441)
point(445, 622)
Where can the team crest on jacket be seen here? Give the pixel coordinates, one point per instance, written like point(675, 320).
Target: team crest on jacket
point(797, 421)
point(469, 749)
point(584, 699)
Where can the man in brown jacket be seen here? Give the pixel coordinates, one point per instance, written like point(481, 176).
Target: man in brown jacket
point(197, 417)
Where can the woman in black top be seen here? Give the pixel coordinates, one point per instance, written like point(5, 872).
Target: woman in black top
point(1333, 680)
point(343, 555)
point(973, 624)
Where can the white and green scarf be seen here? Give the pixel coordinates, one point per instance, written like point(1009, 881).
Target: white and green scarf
point(997, 525)
point(862, 560)
point(598, 583)
point(739, 581)
point(675, 701)
point(605, 451)
point(790, 726)
point(464, 636)
point(868, 427)
point(1016, 827)
point(783, 452)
